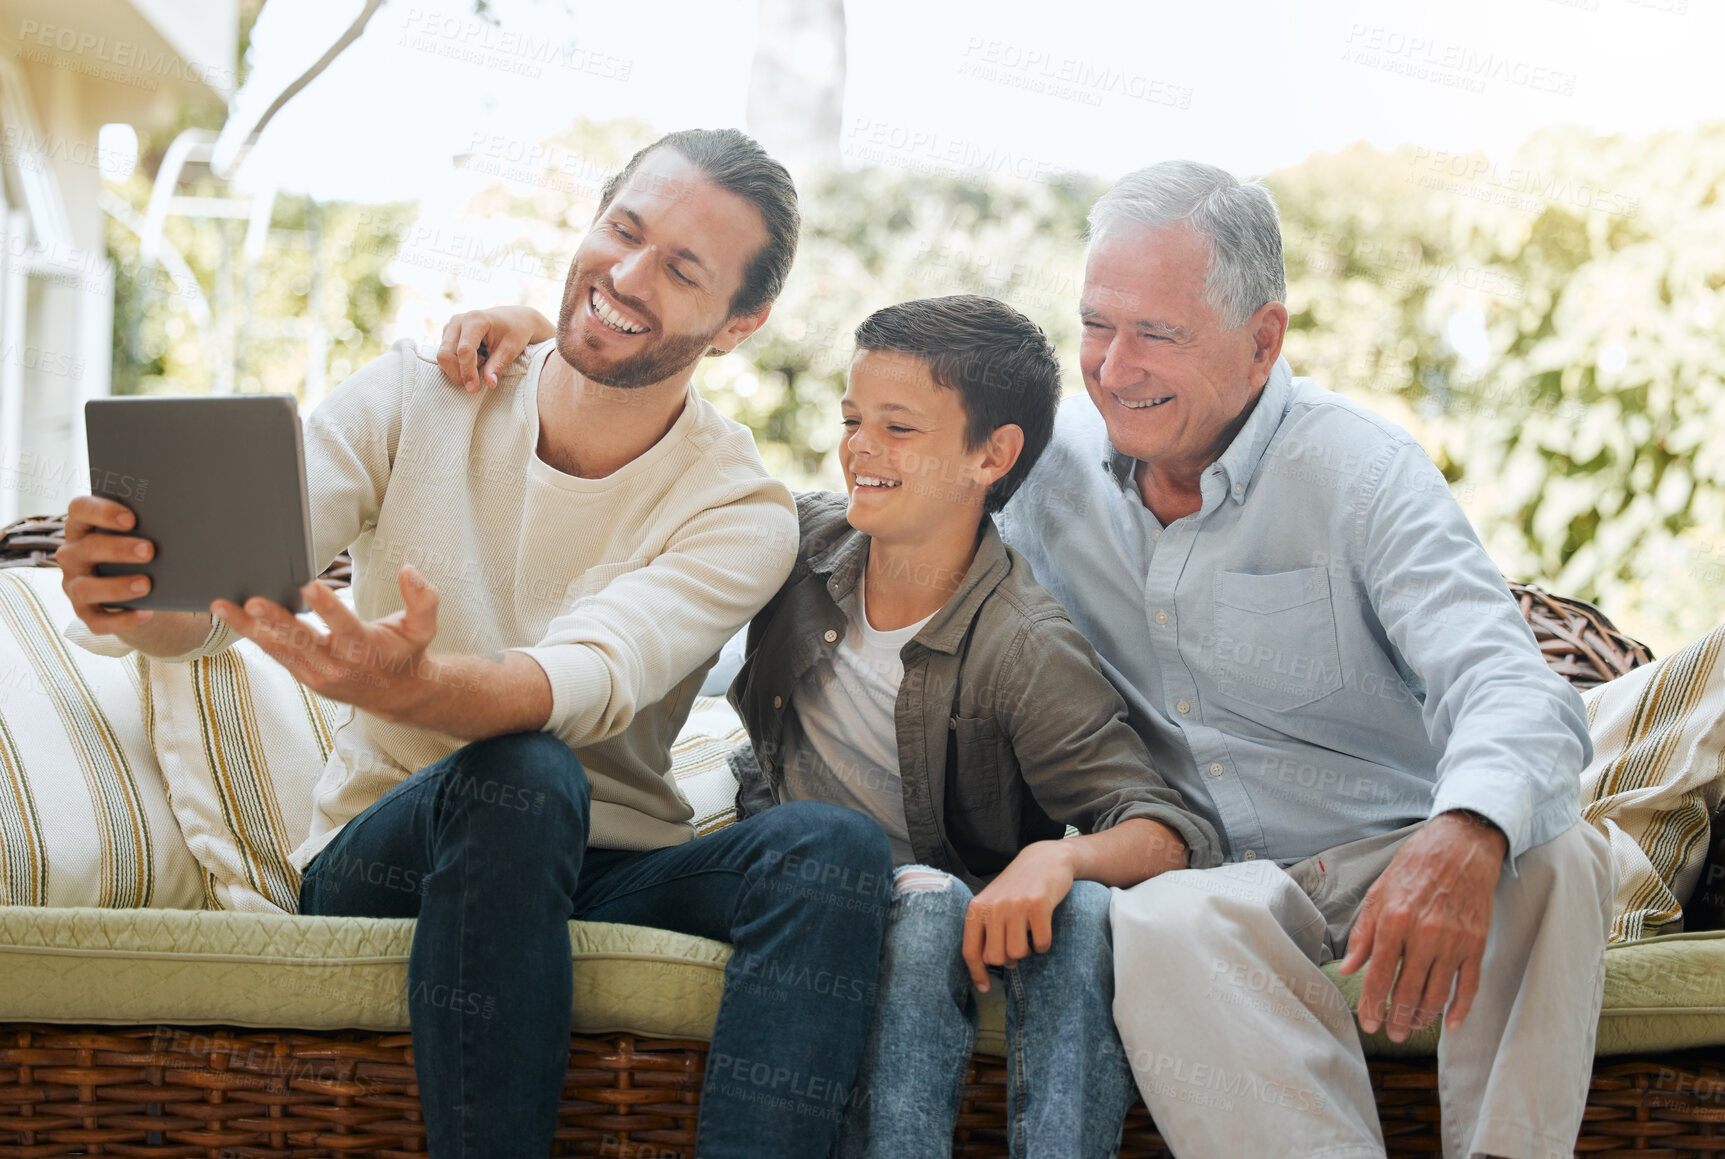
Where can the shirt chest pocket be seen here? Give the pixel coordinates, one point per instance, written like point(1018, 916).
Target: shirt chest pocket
point(985, 763)
point(1275, 638)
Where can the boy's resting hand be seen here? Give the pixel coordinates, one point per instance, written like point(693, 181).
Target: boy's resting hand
point(1016, 910)
point(500, 333)
point(1015, 913)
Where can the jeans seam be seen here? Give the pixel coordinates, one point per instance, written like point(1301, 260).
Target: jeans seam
point(466, 1046)
point(1020, 1086)
point(657, 882)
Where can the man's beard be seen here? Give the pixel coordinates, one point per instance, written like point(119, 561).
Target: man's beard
point(663, 357)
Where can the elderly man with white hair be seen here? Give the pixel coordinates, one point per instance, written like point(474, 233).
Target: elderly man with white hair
point(1328, 667)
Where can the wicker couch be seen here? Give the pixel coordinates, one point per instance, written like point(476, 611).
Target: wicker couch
point(264, 1035)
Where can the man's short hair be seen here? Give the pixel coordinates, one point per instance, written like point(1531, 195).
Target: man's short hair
point(999, 361)
point(1236, 220)
point(734, 161)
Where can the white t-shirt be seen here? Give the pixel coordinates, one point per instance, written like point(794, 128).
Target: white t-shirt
point(845, 747)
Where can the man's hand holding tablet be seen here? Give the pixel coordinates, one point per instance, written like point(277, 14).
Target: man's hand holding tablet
point(207, 513)
point(93, 596)
point(382, 667)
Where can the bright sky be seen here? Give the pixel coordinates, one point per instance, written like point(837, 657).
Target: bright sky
point(1005, 85)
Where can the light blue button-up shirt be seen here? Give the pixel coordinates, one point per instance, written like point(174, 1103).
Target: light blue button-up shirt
point(1323, 651)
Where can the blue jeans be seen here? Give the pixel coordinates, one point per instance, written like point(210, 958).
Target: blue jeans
point(487, 848)
point(1068, 1083)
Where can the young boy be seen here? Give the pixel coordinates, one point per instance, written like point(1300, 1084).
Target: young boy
point(912, 669)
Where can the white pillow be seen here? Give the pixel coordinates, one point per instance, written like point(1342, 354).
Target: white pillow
point(242, 744)
point(84, 814)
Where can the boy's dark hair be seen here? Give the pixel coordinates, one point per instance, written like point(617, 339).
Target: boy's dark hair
point(734, 161)
point(998, 360)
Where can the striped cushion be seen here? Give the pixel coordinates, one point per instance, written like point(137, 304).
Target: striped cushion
point(700, 766)
point(84, 817)
point(242, 743)
point(1659, 754)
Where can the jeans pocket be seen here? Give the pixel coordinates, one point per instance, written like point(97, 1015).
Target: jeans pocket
point(1275, 638)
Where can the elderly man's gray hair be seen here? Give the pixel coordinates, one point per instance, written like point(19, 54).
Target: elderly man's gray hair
point(1237, 220)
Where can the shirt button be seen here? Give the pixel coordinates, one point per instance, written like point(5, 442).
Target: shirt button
point(778, 702)
point(1182, 707)
point(1156, 534)
point(829, 635)
point(1249, 855)
point(1161, 617)
point(1239, 487)
point(1215, 768)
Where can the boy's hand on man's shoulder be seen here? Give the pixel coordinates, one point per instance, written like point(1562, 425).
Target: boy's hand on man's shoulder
point(500, 334)
point(1014, 916)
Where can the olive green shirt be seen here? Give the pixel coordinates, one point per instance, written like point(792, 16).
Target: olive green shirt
point(1007, 729)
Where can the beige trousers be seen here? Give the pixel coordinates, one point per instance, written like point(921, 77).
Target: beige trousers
point(1243, 1049)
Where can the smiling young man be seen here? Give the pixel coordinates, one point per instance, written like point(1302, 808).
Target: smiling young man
point(578, 544)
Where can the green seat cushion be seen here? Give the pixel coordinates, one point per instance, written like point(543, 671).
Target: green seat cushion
point(130, 967)
point(1661, 994)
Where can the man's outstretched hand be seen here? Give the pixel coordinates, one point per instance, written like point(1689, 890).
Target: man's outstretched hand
point(381, 667)
point(501, 332)
point(1430, 912)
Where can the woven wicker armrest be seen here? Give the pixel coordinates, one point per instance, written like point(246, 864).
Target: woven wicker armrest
point(1578, 640)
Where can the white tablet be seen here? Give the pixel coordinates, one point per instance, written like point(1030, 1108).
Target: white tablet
point(218, 484)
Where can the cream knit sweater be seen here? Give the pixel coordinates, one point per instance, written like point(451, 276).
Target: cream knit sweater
point(623, 588)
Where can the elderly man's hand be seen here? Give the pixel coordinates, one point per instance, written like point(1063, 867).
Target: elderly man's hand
point(1430, 912)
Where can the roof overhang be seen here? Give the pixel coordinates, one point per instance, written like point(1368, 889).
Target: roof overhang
point(131, 60)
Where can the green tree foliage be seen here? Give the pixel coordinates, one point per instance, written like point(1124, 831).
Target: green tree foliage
point(1551, 328)
point(271, 311)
